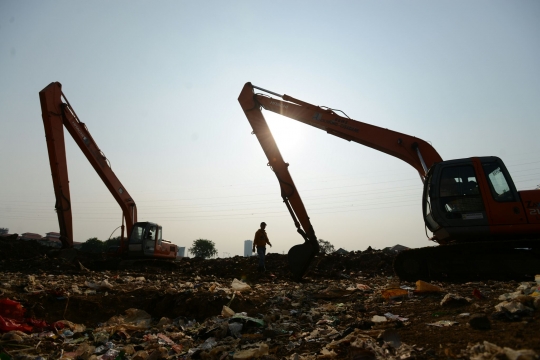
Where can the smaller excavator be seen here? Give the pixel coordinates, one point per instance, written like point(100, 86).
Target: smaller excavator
point(144, 238)
point(484, 226)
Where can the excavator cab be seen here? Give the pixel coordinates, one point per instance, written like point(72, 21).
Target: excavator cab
point(471, 199)
point(146, 240)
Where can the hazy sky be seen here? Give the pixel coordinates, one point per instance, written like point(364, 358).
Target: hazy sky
point(157, 82)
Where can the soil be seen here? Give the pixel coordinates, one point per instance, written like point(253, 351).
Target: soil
point(327, 285)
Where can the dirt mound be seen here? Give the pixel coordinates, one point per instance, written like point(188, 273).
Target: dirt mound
point(20, 249)
point(30, 257)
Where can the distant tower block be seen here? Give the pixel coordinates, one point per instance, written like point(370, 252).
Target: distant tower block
point(248, 246)
point(181, 252)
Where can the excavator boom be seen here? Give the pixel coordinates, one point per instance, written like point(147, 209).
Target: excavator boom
point(414, 151)
point(57, 114)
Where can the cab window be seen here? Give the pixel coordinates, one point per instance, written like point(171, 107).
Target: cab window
point(459, 192)
point(137, 235)
point(151, 233)
point(500, 190)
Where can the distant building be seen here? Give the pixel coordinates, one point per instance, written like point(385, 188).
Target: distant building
point(396, 248)
point(341, 251)
point(248, 247)
point(181, 251)
point(51, 239)
point(31, 236)
point(4, 231)
point(52, 235)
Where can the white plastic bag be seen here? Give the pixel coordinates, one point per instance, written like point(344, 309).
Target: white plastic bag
point(238, 285)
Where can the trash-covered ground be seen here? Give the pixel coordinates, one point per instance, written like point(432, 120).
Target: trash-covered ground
point(78, 306)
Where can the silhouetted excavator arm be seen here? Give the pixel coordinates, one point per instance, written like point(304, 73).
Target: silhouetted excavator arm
point(414, 151)
point(300, 255)
point(57, 114)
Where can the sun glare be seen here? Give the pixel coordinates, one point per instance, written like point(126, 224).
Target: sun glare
point(287, 133)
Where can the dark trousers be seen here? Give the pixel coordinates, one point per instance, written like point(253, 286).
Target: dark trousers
point(261, 250)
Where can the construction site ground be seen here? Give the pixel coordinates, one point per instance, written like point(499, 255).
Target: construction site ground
point(342, 309)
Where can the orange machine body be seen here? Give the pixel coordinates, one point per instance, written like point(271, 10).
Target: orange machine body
point(57, 115)
point(484, 204)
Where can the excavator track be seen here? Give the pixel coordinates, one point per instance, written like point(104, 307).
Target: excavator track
point(495, 260)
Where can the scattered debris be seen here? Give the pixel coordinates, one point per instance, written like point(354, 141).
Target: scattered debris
point(224, 309)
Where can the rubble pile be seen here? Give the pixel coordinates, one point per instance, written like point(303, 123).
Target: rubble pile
point(223, 309)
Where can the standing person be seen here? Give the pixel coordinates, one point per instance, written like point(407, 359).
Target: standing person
point(260, 241)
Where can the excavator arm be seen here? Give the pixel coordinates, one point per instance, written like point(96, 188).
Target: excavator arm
point(57, 114)
point(300, 255)
point(414, 151)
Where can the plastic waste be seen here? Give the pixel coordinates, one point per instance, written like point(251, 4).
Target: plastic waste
point(134, 319)
point(513, 307)
point(391, 294)
point(245, 318)
point(236, 329)
point(101, 337)
point(208, 344)
point(444, 323)
point(98, 286)
point(67, 333)
point(11, 309)
point(378, 319)
point(238, 285)
point(111, 354)
point(454, 300)
point(165, 339)
point(477, 294)
point(164, 321)
point(251, 353)
point(395, 317)
point(510, 296)
point(227, 312)
point(12, 318)
point(362, 287)
point(422, 286)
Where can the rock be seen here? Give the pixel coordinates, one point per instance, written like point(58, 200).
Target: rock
point(479, 322)
point(164, 321)
point(140, 355)
point(537, 303)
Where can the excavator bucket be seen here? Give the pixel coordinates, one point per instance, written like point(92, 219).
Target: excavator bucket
point(299, 257)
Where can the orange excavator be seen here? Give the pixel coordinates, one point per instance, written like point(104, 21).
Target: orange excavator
point(144, 238)
point(484, 226)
